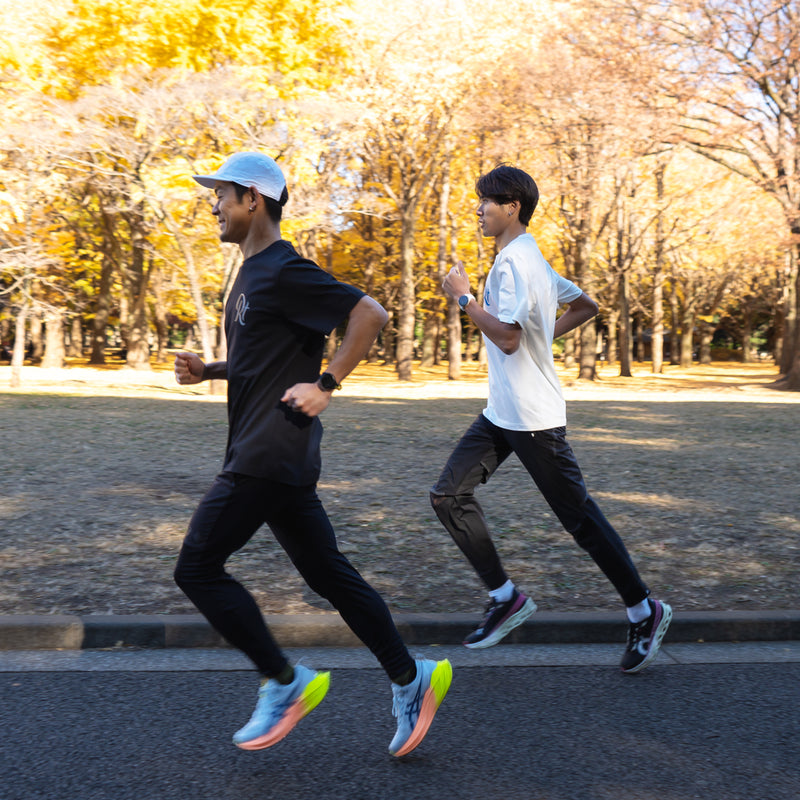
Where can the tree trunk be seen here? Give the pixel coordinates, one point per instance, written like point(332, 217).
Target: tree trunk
point(791, 322)
point(430, 330)
point(674, 339)
point(102, 311)
point(331, 346)
point(586, 334)
point(197, 298)
point(453, 318)
point(657, 338)
point(747, 333)
point(791, 329)
point(53, 357)
point(569, 350)
point(406, 322)
point(687, 337)
point(18, 352)
point(160, 315)
point(138, 356)
point(37, 340)
point(76, 337)
point(641, 350)
point(195, 290)
point(588, 357)
point(706, 335)
point(625, 337)
point(613, 326)
point(125, 312)
point(389, 339)
point(791, 381)
point(479, 289)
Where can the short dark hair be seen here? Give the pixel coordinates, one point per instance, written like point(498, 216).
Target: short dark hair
point(505, 184)
point(274, 207)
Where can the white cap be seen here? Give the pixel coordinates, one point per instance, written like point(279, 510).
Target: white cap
point(249, 169)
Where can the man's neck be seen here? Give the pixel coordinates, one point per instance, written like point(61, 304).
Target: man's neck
point(259, 239)
point(509, 234)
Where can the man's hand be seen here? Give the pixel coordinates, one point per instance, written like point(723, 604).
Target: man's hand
point(307, 398)
point(188, 368)
point(456, 282)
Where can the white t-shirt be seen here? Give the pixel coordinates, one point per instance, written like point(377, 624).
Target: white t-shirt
point(524, 390)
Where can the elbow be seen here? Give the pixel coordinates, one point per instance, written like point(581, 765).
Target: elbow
point(587, 307)
point(383, 317)
point(379, 314)
point(378, 318)
point(371, 312)
point(509, 349)
point(510, 344)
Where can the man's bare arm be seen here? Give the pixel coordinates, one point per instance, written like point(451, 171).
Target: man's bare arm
point(190, 368)
point(365, 322)
point(580, 310)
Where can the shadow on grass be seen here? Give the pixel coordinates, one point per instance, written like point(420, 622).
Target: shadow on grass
point(96, 493)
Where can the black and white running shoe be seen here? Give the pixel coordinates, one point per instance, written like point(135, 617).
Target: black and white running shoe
point(644, 638)
point(500, 619)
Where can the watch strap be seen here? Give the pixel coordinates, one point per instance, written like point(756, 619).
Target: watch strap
point(463, 301)
point(327, 382)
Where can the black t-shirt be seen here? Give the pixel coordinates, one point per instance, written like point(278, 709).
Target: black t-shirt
point(278, 313)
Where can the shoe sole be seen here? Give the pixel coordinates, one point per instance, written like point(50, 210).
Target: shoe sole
point(312, 696)
point(655, 640)
point(502, 630)
point(441, 678)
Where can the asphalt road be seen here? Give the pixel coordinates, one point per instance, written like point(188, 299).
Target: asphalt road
point(113, 726)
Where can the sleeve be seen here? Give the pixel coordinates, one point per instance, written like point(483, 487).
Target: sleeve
point(313, 298)
point(512, 301)
point(567, 291)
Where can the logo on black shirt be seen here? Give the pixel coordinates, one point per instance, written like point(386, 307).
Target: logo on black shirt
point(241, 308)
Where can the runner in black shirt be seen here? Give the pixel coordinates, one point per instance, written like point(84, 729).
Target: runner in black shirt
point(281, 307)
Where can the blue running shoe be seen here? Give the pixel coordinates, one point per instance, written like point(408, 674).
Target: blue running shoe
point(416, 704)
point(280, 708)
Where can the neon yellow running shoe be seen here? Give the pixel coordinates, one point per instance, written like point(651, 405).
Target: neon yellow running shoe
point(416, 704)
point(280, 708)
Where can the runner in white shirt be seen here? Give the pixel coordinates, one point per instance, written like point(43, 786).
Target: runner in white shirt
point(526, 415)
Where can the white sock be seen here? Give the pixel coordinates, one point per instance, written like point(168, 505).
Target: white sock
point(504, 593)
point(639, 612)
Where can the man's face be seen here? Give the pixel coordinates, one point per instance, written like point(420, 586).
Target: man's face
point(493, 218)
point(233, 215)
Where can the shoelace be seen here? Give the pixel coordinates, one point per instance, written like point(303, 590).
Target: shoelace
point(490, 609)
point(397, 700)
point(635, 633)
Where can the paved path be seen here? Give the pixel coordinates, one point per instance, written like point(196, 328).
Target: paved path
point(715, 721)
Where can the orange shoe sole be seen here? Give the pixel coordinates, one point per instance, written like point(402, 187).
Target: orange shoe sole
point(441, 678)
point(312, 696)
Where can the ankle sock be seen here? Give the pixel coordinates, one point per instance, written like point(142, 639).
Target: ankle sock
point(639, 612)
point(504, 593)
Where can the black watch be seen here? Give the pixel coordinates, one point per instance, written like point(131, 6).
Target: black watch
point(327, 382)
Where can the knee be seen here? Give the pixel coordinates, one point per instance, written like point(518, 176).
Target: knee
point(179, 574)
point(443, 504)
point(187, 571)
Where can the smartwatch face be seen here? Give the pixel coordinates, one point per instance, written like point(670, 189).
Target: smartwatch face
point(327, 381)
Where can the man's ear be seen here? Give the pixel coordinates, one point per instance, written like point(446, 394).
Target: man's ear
point(253, 198)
